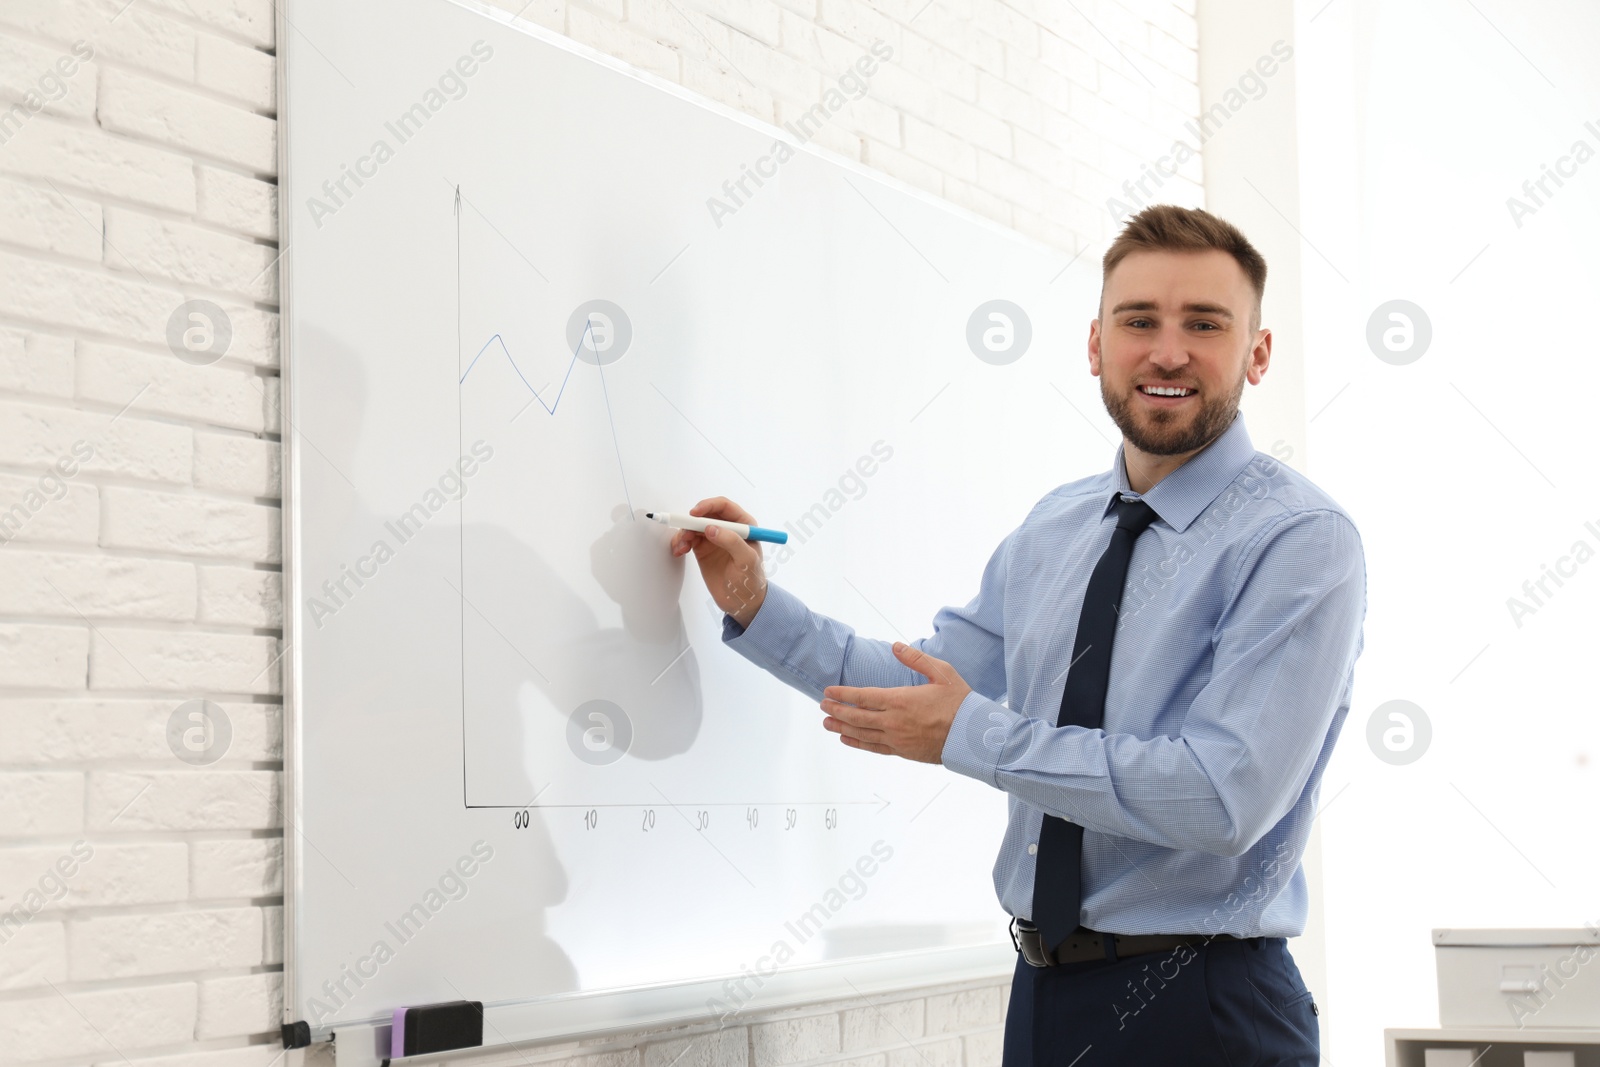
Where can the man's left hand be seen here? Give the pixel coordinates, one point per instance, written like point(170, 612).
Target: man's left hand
point(910, 721)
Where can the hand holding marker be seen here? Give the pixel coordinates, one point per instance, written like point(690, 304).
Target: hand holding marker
point(693, 522)
point(730, 565)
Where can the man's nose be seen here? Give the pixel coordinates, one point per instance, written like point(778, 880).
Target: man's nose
point(1170, 350)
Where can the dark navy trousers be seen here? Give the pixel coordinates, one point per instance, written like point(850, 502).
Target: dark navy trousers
point(1224, 1003)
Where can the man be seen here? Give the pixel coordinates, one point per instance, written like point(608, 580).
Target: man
point(1174, 640)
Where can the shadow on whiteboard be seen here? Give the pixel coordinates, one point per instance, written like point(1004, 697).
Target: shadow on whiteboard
point(543, 669)
point(533, 643)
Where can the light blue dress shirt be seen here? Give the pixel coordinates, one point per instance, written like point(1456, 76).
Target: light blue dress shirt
point(1231, 675)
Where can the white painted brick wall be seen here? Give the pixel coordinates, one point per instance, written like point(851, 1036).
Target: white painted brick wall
point(150, 575)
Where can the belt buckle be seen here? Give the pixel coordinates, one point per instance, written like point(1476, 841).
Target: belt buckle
point(1030, 944)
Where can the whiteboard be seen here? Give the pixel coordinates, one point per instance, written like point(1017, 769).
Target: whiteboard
point(522, 767)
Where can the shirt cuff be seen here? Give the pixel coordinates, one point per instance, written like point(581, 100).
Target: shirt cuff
point(778, 624)
point(978, 736)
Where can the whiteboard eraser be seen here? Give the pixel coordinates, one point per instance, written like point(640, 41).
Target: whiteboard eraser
point(436, 1028)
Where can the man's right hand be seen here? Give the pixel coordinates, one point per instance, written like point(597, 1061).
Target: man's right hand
point(730, 565)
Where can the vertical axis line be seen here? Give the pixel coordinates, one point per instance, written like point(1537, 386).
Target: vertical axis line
point(461, 533)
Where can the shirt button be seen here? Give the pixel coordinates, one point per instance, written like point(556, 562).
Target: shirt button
point(1033, 850)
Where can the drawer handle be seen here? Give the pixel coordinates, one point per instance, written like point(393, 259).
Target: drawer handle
point(1518, 979)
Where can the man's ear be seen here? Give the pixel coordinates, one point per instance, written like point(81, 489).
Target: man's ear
point(1094, 347)
point(1260, 357)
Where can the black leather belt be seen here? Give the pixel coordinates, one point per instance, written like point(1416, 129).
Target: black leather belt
point(1085, 944)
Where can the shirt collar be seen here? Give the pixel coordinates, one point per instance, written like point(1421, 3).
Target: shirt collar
point(1181, 496)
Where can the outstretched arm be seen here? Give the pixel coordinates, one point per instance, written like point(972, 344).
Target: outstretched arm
point(774, 629)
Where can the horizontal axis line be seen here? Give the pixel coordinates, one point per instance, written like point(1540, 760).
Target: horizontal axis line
point(682, 804)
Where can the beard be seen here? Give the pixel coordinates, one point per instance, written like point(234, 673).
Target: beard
point(1165, 432)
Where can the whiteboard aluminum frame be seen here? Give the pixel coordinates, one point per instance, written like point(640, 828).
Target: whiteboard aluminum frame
point(289, 795)
point(597, 1014)
point(602, 1012)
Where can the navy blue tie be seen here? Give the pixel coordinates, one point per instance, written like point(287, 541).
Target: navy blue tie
point(1057, 880)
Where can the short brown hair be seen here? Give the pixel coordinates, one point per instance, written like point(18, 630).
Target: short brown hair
point(1168, 227)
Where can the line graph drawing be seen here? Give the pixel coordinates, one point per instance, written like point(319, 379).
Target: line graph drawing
point(551, 407)
point(585, 339)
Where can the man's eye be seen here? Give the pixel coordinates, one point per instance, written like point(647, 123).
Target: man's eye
point(1211, 325)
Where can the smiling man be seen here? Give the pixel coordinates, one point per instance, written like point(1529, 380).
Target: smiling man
point(1154, 670)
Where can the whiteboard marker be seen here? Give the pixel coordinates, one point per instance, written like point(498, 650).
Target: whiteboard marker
point(694, 522)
